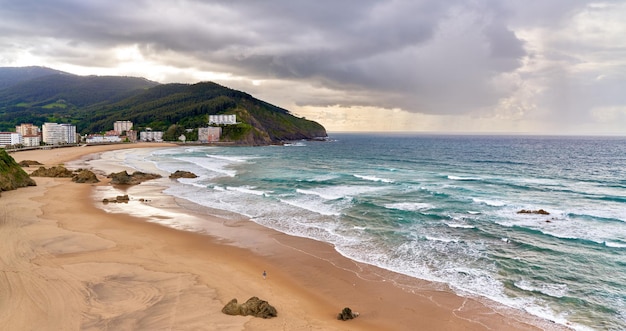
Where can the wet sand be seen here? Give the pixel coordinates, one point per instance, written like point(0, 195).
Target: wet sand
point(70, 263)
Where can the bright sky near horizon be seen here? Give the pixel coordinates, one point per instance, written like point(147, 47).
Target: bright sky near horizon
point(472, 66)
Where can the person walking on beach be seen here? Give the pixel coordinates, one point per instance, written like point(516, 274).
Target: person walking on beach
point(264, 274)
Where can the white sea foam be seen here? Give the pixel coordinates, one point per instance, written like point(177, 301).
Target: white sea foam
point(459, 178)
point(409, 206)
point(246, 190)
point(296, 144)
point(373, 178)
point(553, 290)
point(614, 244)
point(238, 159)
point(320, 178)
point(313, 206)
point(216, 166)
point(462, 226)
point(444, 240)
point(338, 192)
point(493, 203)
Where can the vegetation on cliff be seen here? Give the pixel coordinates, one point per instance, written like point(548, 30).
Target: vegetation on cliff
point(12, 176)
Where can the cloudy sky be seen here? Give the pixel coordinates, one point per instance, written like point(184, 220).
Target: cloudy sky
point(485, 66)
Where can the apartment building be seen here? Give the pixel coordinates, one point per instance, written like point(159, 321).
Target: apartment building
point(31, 134)
point(56, 134)
point(10, 139)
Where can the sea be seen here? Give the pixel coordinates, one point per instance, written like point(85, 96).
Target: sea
point(440, 208)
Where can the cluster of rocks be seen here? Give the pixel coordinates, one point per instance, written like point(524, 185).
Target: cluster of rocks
point(78, 176)
point(347, 314)
point(261, 308)
point(254, 306)
point(118, 199)
point(539, 212)
point(123, 178)
point(182, 174)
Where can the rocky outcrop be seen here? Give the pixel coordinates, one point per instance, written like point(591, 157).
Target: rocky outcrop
point(78, 176)
point(118, 199)
point(347, 314)
point(539, 212)
point(85, 176)
point(57, 172)
point(182, 174)
point(28, 163)
point(12, 176)
point(254, 306)
point(123, 178)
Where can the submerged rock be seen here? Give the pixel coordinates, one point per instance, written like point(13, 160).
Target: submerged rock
point(540, 212)
point(347, 314)
point(254, 306)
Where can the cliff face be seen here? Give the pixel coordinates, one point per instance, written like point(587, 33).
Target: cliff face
point(12, 176)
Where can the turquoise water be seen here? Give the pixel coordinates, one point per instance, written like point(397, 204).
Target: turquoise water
point(443, 208)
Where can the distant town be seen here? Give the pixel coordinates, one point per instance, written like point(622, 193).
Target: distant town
point(54, 134)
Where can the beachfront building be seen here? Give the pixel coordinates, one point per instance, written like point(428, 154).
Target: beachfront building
point(222, 119)
point(210, 134)
point(121, 126)
point(151, 136)
point(106, 138)
point(56, 134)
point(31, 141)
point(31, 134)
point(10, 139)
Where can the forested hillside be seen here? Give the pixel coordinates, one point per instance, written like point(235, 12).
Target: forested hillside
point(93, 103)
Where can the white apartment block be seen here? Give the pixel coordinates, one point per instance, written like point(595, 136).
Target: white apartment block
point(31, 141)
point(10, 139)
point(121, 126)
point(222, 119)
point(102, 138)
point(151, 136)
point(56, 134)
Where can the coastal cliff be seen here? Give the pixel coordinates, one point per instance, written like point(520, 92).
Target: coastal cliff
point(12, 176)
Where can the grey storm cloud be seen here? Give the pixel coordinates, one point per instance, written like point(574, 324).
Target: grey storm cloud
point(427, 56)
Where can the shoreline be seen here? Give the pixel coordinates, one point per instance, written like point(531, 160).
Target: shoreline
point(308, 281)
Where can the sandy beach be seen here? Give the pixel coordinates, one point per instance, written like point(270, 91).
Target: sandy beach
point(69, 264)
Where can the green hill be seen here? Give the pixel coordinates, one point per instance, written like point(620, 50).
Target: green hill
point(93, 103)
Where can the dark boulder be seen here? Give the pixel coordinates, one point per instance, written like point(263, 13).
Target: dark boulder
point(347, 314)
point(85, 176)
point(254, 306)
point(539, 212)
point(182, 174)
